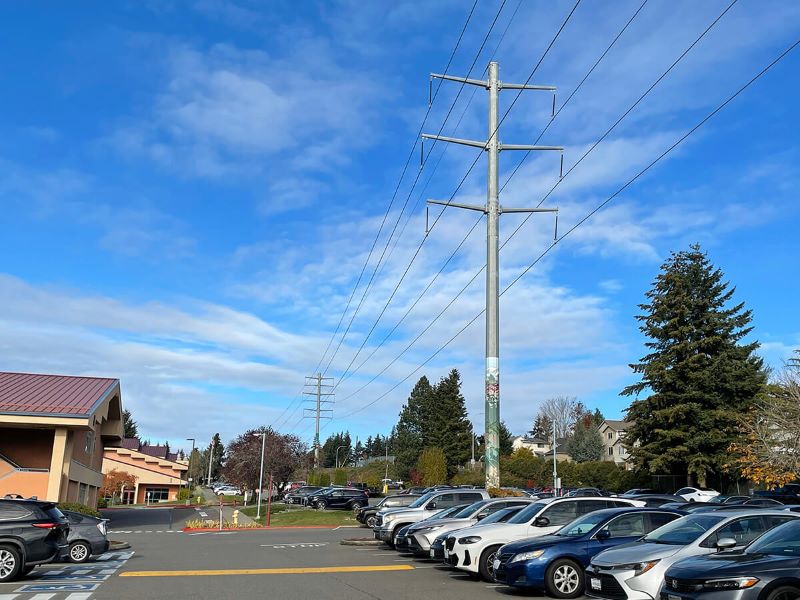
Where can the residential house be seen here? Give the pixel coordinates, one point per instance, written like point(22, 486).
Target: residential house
point(613, 434)
point(542, 447)
point(159, 473)
point(53, 429)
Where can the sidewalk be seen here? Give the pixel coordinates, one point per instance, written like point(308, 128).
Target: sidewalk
point(212, 510)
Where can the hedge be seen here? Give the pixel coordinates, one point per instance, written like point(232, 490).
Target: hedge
point(79, 508)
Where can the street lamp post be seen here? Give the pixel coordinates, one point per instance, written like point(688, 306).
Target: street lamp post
point(189, 473)
point(263, 435)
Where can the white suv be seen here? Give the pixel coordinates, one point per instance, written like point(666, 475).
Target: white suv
point(473, 550)
point(389, 521)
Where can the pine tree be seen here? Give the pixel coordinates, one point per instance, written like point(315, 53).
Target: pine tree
point(410, 439)
point(585, 442)
point(129, 426)
point(506, 440)
point(542, 427)
point(449, 427)
point(699, 375)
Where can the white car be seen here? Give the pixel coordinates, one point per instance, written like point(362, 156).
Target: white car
point(229, 491)
point(693, 494)
point(473, 550)
point(636, 571)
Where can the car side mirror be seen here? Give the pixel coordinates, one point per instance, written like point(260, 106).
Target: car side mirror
point(726, 544)
point(432, 505)
point(603, 534)
point(541, 522)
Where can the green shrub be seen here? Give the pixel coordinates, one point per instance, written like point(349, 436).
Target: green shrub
point(340, 477)
point(468, 477)
point(432, 465)
point(102, 503)
point(183, 494)
point(79, 508)
point(501, 493)
point(324, 479)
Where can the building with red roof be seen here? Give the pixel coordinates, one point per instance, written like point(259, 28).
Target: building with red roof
point(53, 429)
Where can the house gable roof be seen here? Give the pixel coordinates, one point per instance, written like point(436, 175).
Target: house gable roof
point(53, 395)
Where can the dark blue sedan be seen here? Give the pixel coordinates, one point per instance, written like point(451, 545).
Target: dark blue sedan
point(556, 562)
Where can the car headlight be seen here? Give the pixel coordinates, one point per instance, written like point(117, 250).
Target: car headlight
point(427, 529)
point(639, 568)
point(526, 556)
point(388, 518)
point(469, 539)
point(735, 583)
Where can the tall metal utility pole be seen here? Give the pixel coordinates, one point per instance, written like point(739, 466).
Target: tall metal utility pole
point(492, 210)
point(320, 391)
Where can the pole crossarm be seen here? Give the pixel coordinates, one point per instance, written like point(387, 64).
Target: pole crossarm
point(527, 147)
point(504, 209)
point(459, 205)
point(478, 82)
point(525, 86)
point(452, 140)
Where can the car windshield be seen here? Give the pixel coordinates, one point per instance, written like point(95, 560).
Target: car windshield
point(581, 525)
point(683, 531)
point(468, 510)
point(718, 499)
point(527, 513)
point(422, 500)
point(784, 540)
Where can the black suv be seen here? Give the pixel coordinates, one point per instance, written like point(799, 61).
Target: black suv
point(301, 494)
point(368, 514)
point(339, 498)
point(32, 532)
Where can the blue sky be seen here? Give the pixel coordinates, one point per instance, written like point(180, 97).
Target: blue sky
point(190, 190)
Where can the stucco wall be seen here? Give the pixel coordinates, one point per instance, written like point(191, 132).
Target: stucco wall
point(29, 448)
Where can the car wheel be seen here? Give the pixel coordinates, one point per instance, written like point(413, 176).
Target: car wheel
point(79, 552)
point(10, 563)
point(357, 505)
point(785, 592)
point(321, 504)
point(564, 579)
point(485, 566)
point(371, 521)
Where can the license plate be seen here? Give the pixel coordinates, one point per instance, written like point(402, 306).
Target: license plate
point(433, 553)
point(496, 564)
point(595, 583)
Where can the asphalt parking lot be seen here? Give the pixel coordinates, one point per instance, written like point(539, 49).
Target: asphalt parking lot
point(291, 564)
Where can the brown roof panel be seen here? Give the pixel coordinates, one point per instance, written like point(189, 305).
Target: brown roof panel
point(31, 393)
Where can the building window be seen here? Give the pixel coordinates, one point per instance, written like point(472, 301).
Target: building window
point(83, 490)
point(540, 445)
point(610, 451)
point(89, 442)
point(156, 494)
point(621, 450)
point(610, 435)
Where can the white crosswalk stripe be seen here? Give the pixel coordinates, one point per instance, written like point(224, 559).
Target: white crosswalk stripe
point(42, 596)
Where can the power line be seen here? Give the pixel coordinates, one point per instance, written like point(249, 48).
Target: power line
point(347, 374)
point(588, 216)
point(416, 179)
point(608, 131)
point(391, 202)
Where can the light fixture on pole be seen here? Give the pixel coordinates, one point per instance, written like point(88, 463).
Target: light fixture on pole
point(189, 473)
point(263, 435)
point(337, 454)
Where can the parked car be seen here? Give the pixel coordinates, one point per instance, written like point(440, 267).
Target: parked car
point(693, 494)
point(501, 516)
point(765, 570)
point(635, 571)
point(416, 490)
point(420, 535)
point(400, 537)
point(657, 499)
point(475, 551)
point(691, 507)
point(368, 514)
point(728, 499)
point(32, 532)
point(87, 537)
point(640, 492)
point(584, 492)
point(346, 498)
point(301, 494)
point(556, 563)
point(788, 494)
point(229, 491)
point(392, 519)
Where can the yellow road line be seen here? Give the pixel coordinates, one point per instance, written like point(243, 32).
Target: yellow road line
point(289, 571)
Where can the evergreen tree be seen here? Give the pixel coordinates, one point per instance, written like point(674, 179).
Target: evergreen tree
point(542, 427)
point(369, 447)
point(597, 417)
point(699, 375)
point(585, 442)
point(129, 426)
point(506, 440)
point(432, 466)
point(449, 427)
point(409, 429)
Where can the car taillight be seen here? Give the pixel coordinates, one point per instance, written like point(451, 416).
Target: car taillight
point(45, 525)
point(102, 527)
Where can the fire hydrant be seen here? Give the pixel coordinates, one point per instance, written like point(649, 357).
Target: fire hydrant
point(236, 518)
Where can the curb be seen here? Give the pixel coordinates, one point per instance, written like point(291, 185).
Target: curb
point(112, 545)
point(361, 542)
point(201, 529)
